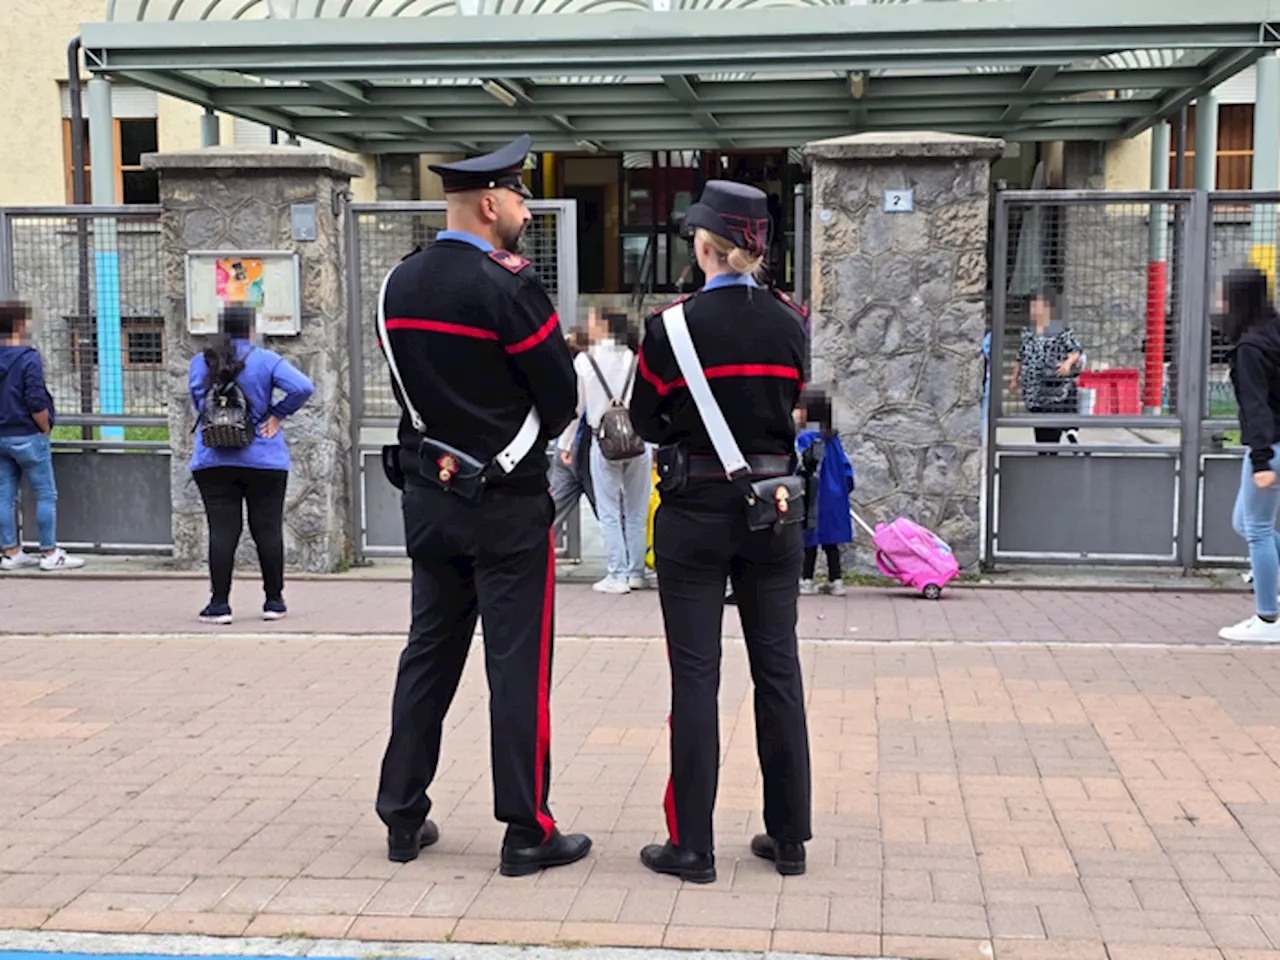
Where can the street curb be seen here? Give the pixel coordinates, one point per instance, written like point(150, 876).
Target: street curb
point(1196, 585)
point(259, 948)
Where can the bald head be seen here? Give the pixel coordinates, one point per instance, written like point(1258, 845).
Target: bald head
point(497, 215)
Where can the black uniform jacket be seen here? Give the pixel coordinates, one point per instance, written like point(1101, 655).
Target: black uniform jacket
point(751, 341)
point(477, 340)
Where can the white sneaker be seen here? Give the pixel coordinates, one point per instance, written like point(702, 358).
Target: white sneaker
point(637, 582)
point(19, 560)
point(808, 588)
point(836, 588)
point(59, 560)
point(613, 585)
point(1253, 630)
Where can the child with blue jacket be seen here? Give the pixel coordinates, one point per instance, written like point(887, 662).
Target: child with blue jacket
point(827, 524)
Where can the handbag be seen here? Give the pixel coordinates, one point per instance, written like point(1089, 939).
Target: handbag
point(772, 502)
point(617, 438)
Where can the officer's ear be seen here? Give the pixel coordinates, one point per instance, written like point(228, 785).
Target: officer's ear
point(490, 206)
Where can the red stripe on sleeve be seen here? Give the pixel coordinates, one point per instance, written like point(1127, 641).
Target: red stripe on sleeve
point(531, 341)
point(753, 370)
point(662, 388)
point(440, 326)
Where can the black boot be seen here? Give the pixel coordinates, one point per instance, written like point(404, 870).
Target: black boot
point(558, 851)
point(673, 861)
point(788, 858)
point(403, 845)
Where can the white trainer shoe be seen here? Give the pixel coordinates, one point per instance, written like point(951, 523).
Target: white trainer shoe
point(60, 560)
point(613, 585)
point(808, 588)
point(1253, 630)
point(19, 560)
point(638, 582)
point(836, 588)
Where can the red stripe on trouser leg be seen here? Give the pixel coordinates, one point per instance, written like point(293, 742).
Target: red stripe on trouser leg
point(543, 748)
point(669, 805)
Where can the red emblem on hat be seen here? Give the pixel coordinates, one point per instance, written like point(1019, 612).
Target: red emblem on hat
point(448, 467)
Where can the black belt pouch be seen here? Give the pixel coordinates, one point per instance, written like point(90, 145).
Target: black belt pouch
point(451, 469)
point(672, 462)
point(391, 465)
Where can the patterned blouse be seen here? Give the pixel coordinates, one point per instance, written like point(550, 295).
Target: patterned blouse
point(1039, 356)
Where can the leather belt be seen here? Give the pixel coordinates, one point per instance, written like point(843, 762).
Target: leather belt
point(760, 465)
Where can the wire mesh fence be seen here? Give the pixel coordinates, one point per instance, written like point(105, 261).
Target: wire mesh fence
point(387, 234)
point(1245, 233)
point(81, 272)
point(1092, 307)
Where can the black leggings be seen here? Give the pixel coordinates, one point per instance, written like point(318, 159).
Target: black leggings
point(226, 490)
point(833, 561)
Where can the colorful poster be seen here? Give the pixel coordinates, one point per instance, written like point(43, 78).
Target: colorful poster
point(239, 281)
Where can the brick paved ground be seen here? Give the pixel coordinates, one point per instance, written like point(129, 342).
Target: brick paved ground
point(1023, 802)
point(67, 604)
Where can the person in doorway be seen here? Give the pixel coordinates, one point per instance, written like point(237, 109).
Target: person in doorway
point(751, 350)
point(231, 373)
point(1048, 363)
point(1251, 331)
point(834, 483)
point(26, 421)
point(571, 470)
point(606, 375)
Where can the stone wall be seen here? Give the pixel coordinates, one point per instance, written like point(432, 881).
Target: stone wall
point(222, 198)
point(899, 312)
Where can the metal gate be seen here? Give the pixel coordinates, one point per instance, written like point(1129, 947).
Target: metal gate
point(94, 279)
point(1126, 456)
point(378, 235)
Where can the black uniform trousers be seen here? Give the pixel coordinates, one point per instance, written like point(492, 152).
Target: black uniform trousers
point(492, 559)
point(698, 542)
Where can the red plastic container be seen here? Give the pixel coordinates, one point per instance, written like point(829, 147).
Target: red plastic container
point(1116, 392)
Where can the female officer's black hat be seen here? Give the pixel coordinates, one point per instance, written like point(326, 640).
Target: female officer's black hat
point(734, 211)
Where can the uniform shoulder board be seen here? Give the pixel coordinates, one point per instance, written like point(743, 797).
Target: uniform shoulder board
point(803, 311)
point(508, 260)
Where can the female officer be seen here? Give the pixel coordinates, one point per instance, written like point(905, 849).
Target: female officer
point(750, 344)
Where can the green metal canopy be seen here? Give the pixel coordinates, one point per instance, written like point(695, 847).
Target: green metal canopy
point(416, 76)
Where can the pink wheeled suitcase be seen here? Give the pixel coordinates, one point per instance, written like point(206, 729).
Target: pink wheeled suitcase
point(912, 555)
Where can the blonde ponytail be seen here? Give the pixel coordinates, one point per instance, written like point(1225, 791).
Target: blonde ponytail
point(735, 258)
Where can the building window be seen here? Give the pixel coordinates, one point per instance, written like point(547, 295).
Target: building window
point(143, 339)
point(133, 184)
point(1235, 148)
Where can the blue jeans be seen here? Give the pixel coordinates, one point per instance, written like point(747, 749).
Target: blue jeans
point(622, 506)
point(28, 456)
point(1254, 519)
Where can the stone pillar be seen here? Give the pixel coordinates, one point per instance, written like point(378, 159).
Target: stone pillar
point(239, 199)
point(899, 312)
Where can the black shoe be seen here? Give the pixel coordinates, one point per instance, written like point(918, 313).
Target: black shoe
point(788, 858)
point(559, 851)
point(403, 845)
point(689, 866)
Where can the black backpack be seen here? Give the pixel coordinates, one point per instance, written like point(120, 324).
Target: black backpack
point(225, 419)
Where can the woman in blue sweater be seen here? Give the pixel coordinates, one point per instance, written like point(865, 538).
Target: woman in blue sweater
point(257, 474)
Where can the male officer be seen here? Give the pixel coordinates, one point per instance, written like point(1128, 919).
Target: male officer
point(481, 369)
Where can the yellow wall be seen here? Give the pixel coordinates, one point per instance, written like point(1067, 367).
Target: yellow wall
point(33, 47)
point(33, 58)
point(1129, 163)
